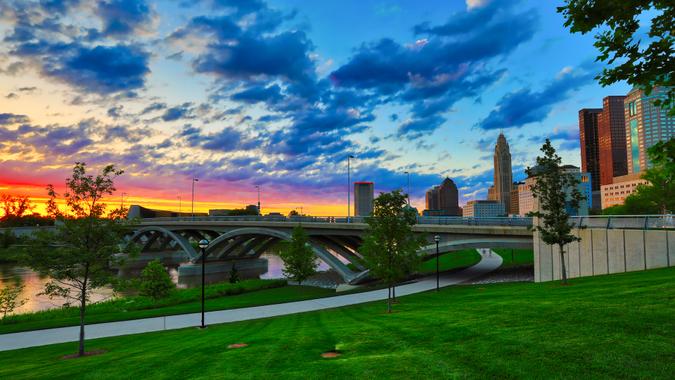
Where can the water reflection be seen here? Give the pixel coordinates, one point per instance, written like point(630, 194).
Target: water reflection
point(13, 275)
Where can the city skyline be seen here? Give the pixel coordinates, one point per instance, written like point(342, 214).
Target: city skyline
point(166, 106)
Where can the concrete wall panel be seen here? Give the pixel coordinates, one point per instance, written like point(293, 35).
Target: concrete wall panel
point(635, 253)
point(546, 262)
point(572, 255)
point(671, 248)
point(537, 268)
point(555, 252)
point(656, 249)
point(617, 259)
point(599, 251)
point(586, 253)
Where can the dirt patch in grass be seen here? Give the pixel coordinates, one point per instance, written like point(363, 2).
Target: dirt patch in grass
point(331, 354)
point(237, 345)
point(87, 353)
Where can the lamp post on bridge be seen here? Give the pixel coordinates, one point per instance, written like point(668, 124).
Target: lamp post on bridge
point(259, 211)
point(203, 244)
point(408, 173)
point(349, 187)
point(437, 239)
point(180, 201)
point(193, 196)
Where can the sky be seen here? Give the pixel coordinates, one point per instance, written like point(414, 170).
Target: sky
point(278, 93)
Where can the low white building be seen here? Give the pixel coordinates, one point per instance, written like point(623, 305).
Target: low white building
point(616, 193)
point(484, 209)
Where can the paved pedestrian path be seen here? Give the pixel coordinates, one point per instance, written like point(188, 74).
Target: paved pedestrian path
point(489, 262)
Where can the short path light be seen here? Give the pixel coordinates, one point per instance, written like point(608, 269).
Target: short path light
point(437, 239)
point(203, 244)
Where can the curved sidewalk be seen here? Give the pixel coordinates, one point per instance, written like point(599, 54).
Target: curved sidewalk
point(13, 341)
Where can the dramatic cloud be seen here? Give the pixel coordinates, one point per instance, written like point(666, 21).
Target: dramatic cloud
point(123, 17)
point(10, 118)
point(524, 106)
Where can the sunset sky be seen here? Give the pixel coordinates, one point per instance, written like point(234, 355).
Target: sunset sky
point(278, 93)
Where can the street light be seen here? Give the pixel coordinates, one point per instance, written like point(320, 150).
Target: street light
point(408, 173)
point(202, 245)
point(193, 196)
point(258, 188)
point(180, 204)
point(437, 239)
point(349, 187)
point(122, 203)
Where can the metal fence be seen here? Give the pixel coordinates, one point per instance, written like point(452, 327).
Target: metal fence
point(640, 222)
point(434, 220)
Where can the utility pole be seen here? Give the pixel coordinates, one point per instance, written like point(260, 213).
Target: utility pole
point(179, 205)
point(349, 188)
point(259, 211)
point(408, 173)
point(122, 202)
point(193, 196)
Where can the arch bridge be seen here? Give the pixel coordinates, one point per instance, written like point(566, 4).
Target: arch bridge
point(333, 240)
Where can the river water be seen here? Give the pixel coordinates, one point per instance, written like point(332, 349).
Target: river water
point(13, 275)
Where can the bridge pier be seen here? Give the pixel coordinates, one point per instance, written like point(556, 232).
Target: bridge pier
point(222, 266)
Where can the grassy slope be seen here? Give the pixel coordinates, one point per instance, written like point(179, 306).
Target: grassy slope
point(451, 260)
point(617, 326)
point(519, 257)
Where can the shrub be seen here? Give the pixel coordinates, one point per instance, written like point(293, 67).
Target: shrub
point(155, 281)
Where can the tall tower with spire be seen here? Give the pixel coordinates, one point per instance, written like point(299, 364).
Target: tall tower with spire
point(503, 177)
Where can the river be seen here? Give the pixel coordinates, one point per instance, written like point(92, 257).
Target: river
point(13, 275)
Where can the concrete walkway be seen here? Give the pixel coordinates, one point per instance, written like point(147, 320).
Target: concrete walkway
point(490, 261)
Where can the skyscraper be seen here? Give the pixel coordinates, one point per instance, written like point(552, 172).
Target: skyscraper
point(502, 173)
point(588, 138)
point(611, 141)
point(646, 125)
point(432, 198)
point(443, 200)
point(364, 193)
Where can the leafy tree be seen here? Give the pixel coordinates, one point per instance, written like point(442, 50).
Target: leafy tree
point(293, 213)
point(661, 176)
point(15, 206)
point(389, 247)
point(555, 190)
point(645, 61)
point(78, 254)
point(299, 260)
point(9, 299)
point(155, 281)
point(658, 196)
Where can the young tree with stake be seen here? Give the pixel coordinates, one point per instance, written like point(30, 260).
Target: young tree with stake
point(390, 247)
point(555, 190)
point(78, 254)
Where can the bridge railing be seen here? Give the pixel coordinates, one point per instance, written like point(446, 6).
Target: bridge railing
point(640, 222)
point(433, 220)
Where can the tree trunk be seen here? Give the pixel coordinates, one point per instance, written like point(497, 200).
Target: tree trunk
point(83, 307)
point(562, 264)
point(393, 293)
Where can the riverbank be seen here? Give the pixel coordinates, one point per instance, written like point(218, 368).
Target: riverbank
point(221, 296)
point(615, 326)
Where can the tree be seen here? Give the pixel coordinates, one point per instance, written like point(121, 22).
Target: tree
point(15, 206)
point(661, 176)
point(79, 252)
point(299, 260)
point(155, 281)
point(9, 299)
point(646, 61)
point(390, 247)
point(556, 191)
point(658, 196)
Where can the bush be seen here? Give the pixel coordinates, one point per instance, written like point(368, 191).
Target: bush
point(155, 281)
point(234, 274)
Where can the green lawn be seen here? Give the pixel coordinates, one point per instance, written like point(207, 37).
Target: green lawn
point(451, 260)
point(514, 257)
point(617, 326)
point(244, 294)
